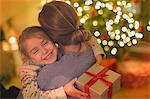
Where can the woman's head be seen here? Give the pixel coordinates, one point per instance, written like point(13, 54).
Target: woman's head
point(61, 22)
point(35, 46)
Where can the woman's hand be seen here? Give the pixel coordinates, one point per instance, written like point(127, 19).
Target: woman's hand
point(72, 91)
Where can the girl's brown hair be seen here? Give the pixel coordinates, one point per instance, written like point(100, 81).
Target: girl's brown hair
point(61, 22)
point(28, 33)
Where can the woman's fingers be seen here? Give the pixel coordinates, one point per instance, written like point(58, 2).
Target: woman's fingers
point(78, 92)
point(73, 81)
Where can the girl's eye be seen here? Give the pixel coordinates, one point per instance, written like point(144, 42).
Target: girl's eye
point(34, 52)
point(45, 43)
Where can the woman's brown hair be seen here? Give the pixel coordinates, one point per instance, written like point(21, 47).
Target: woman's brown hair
point(61, 22)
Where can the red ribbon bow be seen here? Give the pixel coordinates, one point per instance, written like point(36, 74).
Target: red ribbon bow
point(98, 76)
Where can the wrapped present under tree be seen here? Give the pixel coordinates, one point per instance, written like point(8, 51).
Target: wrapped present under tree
point(99, 82)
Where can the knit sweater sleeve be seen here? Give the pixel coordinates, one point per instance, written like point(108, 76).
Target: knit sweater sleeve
point(97, 49)
point(30, 90)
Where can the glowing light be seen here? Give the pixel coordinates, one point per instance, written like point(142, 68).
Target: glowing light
point(133, 33)
point(95, 23)
point(129, 43)
point(138, 35)
point(109, 28)
point(97, 33)
point(123, 36)
point(127, 39)
point(125, 16)
point(118, 3)
point(106, 48)
point(88, 2)
point(76, 4)
point(129, 5)
point(148, 28)
point(79, 13)
point(99, 41)
point(102, 5)
point(110, 43)
point(100, 12)
point(133, 10)
point(131, 20)
point(121, 44)
point(98, 5)
point(114, 51)
point(134, 41)
point(131, 26)
point(68, 2)
point(5, 46)
point(117, 37)
point(82, 20)
point(136, 25)
point(117, 31)
point(109, 6)
point(124, 2)
point(124, 29)
point(104, 42)
point(86, 8)
point(12, 40)
point(118, 9)
point(119, 13)
point(131, 15)
point(79, 9)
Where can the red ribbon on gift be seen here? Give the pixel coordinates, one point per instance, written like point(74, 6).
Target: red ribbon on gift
point(98, 76)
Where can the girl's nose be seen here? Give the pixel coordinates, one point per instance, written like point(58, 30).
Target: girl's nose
point(44, 50)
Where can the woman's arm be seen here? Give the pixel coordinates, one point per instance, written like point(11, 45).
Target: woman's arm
point(30, 88)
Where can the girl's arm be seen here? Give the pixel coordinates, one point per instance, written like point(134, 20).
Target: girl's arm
point(30, 88)
point(97, 49)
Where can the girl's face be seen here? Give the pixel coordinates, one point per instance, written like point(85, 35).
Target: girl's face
point(41, 50)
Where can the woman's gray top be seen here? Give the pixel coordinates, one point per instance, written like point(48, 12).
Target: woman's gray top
point(69, 66)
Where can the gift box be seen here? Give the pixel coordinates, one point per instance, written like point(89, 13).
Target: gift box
point(99, 82)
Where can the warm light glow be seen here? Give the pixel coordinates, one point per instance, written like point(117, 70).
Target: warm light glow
point(97, 33)
point(106, 48)
point(95, 23)
point(82, 20)
point(5, 46)
point(114, 51)
point(134, 41)
point(99, 41)
point(104, 42)
point(12, 40)
point(76, 4)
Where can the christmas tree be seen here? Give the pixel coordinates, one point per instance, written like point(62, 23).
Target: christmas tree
point(112, 22)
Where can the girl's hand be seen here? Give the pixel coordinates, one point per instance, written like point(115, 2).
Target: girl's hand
point(72, 91)
point(99, 59)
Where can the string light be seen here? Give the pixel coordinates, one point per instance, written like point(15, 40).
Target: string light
point(104, 42)
point(114, 51)
point(106, 48)
point(95, 23)
point(120, 36)
point(97, 33)
point(99, 41)
point(76, 4)
point(134, 41)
